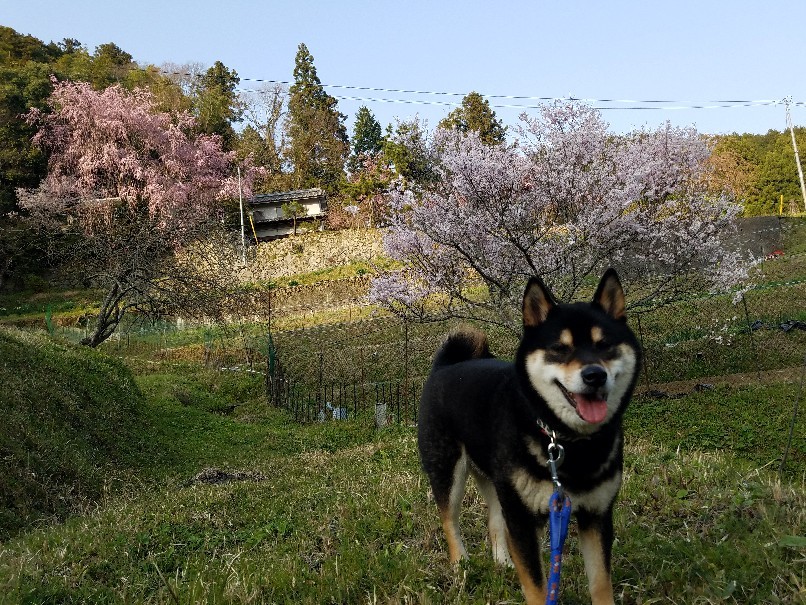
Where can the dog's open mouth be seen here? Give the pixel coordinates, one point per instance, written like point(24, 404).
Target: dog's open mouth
point(591, 407)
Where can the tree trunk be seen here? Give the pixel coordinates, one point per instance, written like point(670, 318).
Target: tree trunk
point(5, 270)
point(106, 326)
point(109, 317)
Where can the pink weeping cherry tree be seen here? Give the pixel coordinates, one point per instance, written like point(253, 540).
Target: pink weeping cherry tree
point(127, 188)
point(564, 201)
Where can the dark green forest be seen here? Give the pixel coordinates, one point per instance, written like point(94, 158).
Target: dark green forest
point(297, 135)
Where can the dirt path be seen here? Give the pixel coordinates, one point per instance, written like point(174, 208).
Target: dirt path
point(792, 375)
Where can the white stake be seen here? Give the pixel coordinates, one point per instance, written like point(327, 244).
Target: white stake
point(795, 147)
point(243, 233)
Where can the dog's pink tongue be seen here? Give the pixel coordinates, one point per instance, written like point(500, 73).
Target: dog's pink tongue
point(591, 409)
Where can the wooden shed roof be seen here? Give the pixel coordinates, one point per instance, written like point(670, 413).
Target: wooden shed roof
point(287, 196)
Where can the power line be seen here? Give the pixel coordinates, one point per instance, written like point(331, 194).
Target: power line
point(599, 104)
point(691, 104)
point(595, 103)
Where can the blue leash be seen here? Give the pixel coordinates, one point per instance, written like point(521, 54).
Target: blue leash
point(559, 517)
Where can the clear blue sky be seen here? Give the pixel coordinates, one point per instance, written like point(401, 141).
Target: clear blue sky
point(688, 52)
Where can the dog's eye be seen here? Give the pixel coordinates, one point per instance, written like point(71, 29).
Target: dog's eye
point(604, 345)
point(559, 349)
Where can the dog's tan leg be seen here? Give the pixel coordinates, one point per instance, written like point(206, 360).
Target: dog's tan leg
point(597, 567)
point(449, 510)
point(532, 582)
point(456, 549)
point(496, 525)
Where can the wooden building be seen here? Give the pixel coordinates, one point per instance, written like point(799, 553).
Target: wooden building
point(271, 222)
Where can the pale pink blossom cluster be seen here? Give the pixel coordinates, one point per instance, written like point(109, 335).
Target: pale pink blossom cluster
point(564, 201)
point(111, 150)
point(133, 185)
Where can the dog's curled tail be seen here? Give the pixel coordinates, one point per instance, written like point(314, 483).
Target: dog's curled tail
point(462, 344)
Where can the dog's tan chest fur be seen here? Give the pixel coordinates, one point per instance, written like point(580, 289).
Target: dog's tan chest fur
point(535, 492)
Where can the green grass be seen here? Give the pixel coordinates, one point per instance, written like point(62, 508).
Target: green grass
point(27, 305)
point(346, 271)
point(98, 456)
point(356, 525)
point(750, 423)
point(78, 424)
point(794, 235)
point(66, 432)
point(336, 512)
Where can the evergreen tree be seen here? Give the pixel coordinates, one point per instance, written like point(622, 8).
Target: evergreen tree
point(475, 114)
point(22, 164)
point(317, 137)
point(110, 64)
point(758, 169)
point(367, 141)
point(18, 49)
point(70, 45)
point(367, 133)
point(217, 103)
point(408, 151)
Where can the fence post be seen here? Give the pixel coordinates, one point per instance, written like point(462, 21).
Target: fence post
point(416, 400)
point(405, 362)
point(380, 407)
point(752, 340)
point(363, 379)
point(792, 424)
point(271, 370)
point(321, 373)
point(269, 311)
point(643, 348)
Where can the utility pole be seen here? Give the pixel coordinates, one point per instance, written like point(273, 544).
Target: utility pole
point(787, 101)
point(243, 233)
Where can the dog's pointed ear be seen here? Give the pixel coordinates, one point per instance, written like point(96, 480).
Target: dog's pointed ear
point(537, 302)
point(610, 295)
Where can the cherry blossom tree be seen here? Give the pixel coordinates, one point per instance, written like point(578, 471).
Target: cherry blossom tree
point(128, 188)
point(565, 200)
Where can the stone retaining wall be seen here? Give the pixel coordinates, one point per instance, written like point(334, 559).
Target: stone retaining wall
point(311, 252)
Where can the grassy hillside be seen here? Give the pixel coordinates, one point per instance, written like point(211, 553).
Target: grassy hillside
point(66, 432)
point(337, 513)
point(80, 426)
point(155, 479)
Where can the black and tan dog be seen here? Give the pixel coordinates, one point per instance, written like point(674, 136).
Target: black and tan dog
point(573, 375)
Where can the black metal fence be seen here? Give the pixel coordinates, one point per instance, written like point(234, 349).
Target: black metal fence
point(354, 368)
point(383, 402)
point(367, 363)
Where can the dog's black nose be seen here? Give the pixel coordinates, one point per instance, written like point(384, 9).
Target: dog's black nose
point(594, 376)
